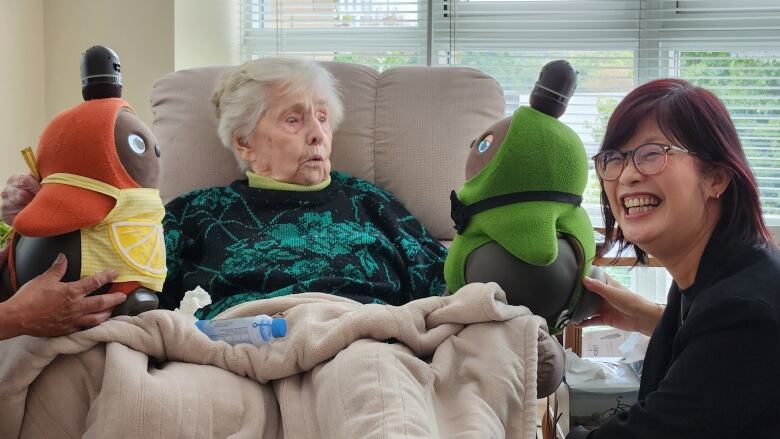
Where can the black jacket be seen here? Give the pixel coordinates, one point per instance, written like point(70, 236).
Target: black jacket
point(713, 363)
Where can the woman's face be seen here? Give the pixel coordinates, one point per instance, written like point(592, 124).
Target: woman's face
point(291, 142)
point(671, 209)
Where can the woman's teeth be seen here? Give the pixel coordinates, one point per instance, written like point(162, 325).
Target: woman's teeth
point(640, 204)
point(639, 209)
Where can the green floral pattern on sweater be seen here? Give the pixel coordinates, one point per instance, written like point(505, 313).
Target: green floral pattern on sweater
point(350, 239)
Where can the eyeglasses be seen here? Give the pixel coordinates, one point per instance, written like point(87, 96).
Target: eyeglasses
point(649, 159)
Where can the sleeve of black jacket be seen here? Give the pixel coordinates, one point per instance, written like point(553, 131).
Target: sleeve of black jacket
point(725, 378)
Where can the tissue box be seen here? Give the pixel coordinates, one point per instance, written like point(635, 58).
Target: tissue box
point(603, 343)
point(593, 401)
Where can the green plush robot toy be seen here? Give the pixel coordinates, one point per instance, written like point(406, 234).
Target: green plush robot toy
point(518, 215)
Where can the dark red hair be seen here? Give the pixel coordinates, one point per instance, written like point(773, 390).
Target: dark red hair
point(695, 119)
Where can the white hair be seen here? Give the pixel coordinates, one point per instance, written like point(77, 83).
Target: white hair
point(241, 94)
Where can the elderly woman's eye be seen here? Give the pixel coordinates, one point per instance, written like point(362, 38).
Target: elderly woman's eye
point(323, 119)
point(291, 119)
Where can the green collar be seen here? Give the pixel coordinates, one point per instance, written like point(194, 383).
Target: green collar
point(262, 182)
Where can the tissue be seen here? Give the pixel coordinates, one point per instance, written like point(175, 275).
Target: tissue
point(193, 300)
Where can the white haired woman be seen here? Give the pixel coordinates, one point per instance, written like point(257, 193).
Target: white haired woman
point(292, 225)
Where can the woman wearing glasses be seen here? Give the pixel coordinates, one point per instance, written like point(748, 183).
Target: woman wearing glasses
point(676, 185)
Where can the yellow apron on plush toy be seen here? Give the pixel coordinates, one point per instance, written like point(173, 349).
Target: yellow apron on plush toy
point(98, 204)
point(135, 246)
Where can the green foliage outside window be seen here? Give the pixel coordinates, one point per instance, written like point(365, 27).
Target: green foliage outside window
point(5, 233)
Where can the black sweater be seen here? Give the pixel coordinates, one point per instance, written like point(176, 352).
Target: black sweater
point(713, 363)
point(350, 239)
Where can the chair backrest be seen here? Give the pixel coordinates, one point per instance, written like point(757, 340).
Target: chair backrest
point(406, 129)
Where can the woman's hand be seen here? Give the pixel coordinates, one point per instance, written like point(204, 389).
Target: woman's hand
point(18, 192)
point(621, 308)
point(47, 307)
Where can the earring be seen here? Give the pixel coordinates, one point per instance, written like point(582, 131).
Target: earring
point(717, 196)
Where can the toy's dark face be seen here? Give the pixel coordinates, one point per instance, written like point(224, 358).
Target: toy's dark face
point(486, 146)
point(137, 148)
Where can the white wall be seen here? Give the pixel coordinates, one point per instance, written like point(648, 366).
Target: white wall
point(22, 112)
point(140, 31)
point(41, 42)
point(206, 33)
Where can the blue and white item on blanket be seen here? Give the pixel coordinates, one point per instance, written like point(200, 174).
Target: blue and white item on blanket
point(255, 330)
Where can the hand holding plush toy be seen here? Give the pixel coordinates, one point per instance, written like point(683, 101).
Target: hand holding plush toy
point(98, 204)
point(518, 215)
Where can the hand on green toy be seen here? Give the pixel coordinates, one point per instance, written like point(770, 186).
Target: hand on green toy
point(622, 309)
point(45, 306)
point(17, 193)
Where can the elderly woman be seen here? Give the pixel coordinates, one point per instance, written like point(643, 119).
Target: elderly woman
point(293, 225)
point(676, 184)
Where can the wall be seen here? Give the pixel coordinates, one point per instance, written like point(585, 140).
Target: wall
point(41, 42)
point(206, 33)
point(22, 114)
point(140, 31)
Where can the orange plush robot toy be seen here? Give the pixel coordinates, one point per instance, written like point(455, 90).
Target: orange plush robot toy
point(98, 204)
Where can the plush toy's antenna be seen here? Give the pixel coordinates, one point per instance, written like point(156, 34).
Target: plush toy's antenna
point(552, 91)
point(100, 74)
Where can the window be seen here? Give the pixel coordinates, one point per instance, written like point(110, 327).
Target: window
point(615, 45)
point(371, 32)
point(732, 48)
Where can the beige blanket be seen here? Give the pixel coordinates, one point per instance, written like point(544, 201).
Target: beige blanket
point(463, 366)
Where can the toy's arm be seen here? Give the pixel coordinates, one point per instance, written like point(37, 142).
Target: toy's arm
point(74, 208)
point(551, 366)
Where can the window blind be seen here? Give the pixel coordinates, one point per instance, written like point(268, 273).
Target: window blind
point(732, 48)
point(378, 33)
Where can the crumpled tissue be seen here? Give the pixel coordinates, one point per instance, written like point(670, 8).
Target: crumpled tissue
point(598, 373)
point(193, 300)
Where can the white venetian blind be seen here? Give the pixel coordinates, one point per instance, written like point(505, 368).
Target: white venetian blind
point(730, 47)
point(378, 33)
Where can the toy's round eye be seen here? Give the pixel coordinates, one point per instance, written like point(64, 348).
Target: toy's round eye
point(136, 143)
point(157, 150)
point(485, 143)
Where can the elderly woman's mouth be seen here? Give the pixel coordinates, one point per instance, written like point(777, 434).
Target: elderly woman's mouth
point(314, 160)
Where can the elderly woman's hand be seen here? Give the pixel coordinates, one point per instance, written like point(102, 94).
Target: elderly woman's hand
point(18, 192)
point(622, 309)
point(45, 306)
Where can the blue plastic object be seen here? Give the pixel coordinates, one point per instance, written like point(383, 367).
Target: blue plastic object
point(255, 330)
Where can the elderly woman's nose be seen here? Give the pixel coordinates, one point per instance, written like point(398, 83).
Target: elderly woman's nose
point(316, 132)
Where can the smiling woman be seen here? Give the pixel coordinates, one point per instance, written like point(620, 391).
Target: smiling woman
point(676, 184)
point(692, 120)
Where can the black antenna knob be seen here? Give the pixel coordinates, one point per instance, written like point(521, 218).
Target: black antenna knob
point(555, 86)
point(100, 74)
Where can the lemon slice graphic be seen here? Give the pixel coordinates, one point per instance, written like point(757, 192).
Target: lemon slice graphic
point(141, 245)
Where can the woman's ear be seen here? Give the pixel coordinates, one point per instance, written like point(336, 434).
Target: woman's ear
point(244, 150)
point(718, 179)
